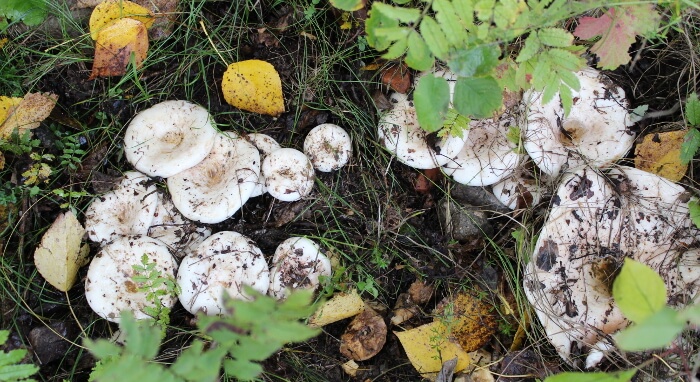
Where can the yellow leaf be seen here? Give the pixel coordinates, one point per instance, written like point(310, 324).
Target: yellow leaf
point(28, 113)
point(339, 307)
point(108, 11)
point(7, 105)
point(429, 345)
point(115, 45)
point(472, 320)
point(59, 255)
point(253, 85)
point(660, 153)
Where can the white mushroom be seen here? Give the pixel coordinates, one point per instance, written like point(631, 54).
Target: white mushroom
point(109, 285)
point(289, 174)
point(487, 156)
point(520, 190)
point(218, 186)
point(180, 234)
point(298, 263)
point(328, 146)
point(224, 262)
point(265, 144)
point(169, 137)
point(126, 210)
point(596, 131)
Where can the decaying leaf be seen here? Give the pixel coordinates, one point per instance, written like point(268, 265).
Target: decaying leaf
point(253, 85)
point(339, 307)
point(110, 10)
point(115, 45)
point(407, 304)
point(59, 255)
point(364, 337)
point(27, 114)
point(429, 345)
point(472, 320)
point(660, 153)
point(397, 77)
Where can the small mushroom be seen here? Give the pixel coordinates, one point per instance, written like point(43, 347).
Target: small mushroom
point(520, 190)
point(180, 234)
point(109, 285)
point(213, 190)
point(265, 145)
point(328, 146)
point(289, 174)
point(224, 262)
point(126, 210)
point(596, 132)
point(169, 137)
point(298, 263)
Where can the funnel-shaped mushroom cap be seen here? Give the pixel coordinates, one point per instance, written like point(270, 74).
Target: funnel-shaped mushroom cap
point(596, 131)
point(224, 262)
point(265, 145)
point(401, 134)
point(328, 146)
point(180, 234)
point(487, 156)
point(289, 174)
point(127, 210)
point(218, 186)
point(169, 137)
point(298, 262)
point(109, 285)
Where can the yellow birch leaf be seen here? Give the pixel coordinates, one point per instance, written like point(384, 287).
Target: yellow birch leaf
point(59, 255)
point(28, 113)
point(114, 47)
point(339, 307)
point(473, 321)
point(429, 345)
point(253, 85)
point(7, 105)
point(108, 11)
point(660, 153)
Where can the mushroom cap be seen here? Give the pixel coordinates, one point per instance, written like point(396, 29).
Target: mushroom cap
point(265, 144)
point(109, 285)
point(126, 210)
point(487, 156)
point(289, 174)
point(297, 263)
point(596, 131)
point(518, 191)
point(401, 134)
point(169, 137)
point(224, 262)
point(328, 146)
point(180, 234)
point(213, 190)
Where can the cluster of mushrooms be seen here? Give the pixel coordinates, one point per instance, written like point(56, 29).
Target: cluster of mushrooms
point(601, 213)
point(209, 175)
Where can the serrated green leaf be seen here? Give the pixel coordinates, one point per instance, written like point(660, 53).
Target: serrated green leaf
point(690, 145)
point(194, 364)
point(242, 369)
point(694, 211)
point(102, 349)
point(418, 55)
point(374, 22)
point(530, 48)
point(484, 9)
point(405, 15)
point(619, 376)
point(569, 79)
point(566, 98)
point(506, 13)
point(639, 291)
point(401, 2)
point(555, 37)
point(551, 88)
point(31, 12)
point(396, 50)
point(464, 9)
point(392, 34)
point(431, 99)
point(348, 5)
point(541, 73)
point(434, 37)
point(653, 332)
point(477, 96)
point(451, 25)
point(455, 124)
point(565, 59)
point(17, 372)
point(12, 357)
point(142, 336)
point(692, 110)
point(477, 61)
point(4, 335)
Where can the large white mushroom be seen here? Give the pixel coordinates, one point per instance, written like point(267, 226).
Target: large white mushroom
point(265, 145)
point(596, 132)
point(180, 234)
point(297, 263)
point(126, 210)
point(169, 137)
point(109, 285)
point(217, 187)
point(328, 146)
point(224, 262)
point(289, 174)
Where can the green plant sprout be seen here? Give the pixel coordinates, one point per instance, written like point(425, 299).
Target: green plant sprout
point(151, 281)
point(10, 367)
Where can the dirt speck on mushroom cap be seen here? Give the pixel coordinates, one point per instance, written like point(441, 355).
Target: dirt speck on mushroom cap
point(297, 263)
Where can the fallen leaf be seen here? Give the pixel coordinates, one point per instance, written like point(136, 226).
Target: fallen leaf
point(364, 337)
point(429, 345)
point(115, 45)
point(59, 255)
point(660, 153)
point(110, 10)
point(253, 85)
point(339, 307)
point(407, 304)
point(472, 320)
point(7, 105)
point(350, 368)
point(27, 114)
point(397, 77)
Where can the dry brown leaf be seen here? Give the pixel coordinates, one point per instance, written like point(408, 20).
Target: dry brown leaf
point(28, 113)
point(429, 345)
point(364, 337)
point(108, 11)
point(660, 153)
point(339, 307)
point(254, 85)
point(397, 77)
point(473, 321)
point(59, 255)
point(115, 45)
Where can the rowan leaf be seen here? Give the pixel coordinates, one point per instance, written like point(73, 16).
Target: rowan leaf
point(432, 98)
point(253, 85)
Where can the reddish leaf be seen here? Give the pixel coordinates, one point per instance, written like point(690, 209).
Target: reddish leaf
point(617, 29)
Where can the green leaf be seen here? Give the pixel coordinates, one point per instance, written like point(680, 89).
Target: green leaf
point(477, 61)
point(434, 37)
point(530, 48)
point(569, 79)
point(566, 98)
point(242, 369)
point(555, 37)
point(431, 98)
point(4, 335)
point(406, 15)
point(477, 97)
point(464, 9)
point(12, 357)
point(484, 9)
point(453, 28)
point(31, 12)
point(694, 211)
point(375, 22)
point(392, 33)
point(396, 50)
point(142, 336)
point(348, 5)
point(455, 124)
point(639, 291)
point(655, 331)
point(102, 349)
point(690, 145)
point(551, 88)
point(565, 59)
point(17, 372)
point(620, 376)
point(692, 109)
point(194, 364)
point(418, 56)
